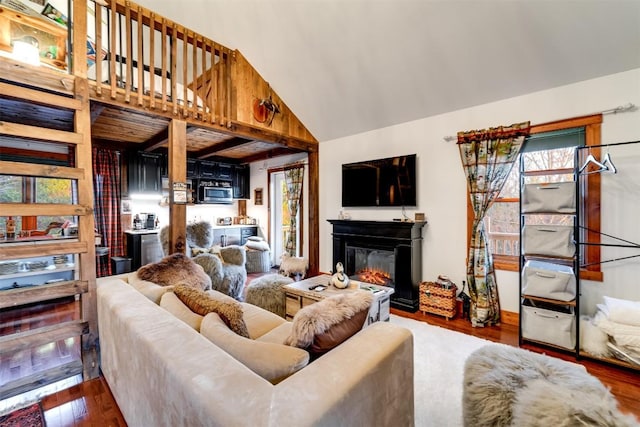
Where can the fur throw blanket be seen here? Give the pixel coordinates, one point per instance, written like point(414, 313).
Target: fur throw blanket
point(176, 269)
point(316, 319)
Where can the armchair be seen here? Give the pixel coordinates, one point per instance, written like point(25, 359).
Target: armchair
point(227, 271)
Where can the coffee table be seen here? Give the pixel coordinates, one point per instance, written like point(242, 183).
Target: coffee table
point(299, 295)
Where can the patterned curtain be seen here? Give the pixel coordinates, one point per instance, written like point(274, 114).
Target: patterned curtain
point(106, 192)
point(487, 157)
point(293, 178)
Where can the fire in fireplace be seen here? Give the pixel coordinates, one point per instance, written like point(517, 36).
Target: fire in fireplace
point(369, 265)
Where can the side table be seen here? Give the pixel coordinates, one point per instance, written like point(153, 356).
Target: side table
point(299, 294)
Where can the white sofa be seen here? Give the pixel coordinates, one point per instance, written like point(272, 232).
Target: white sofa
point(163, 372)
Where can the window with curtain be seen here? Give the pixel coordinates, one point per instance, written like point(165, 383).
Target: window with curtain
point(549, 150)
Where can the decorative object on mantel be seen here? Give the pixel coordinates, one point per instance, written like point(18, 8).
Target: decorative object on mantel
point(339, 279)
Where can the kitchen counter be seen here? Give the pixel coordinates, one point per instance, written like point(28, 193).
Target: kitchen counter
point(235, 226)
point(154, 231)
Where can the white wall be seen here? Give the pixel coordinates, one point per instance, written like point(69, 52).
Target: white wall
point(442, 184)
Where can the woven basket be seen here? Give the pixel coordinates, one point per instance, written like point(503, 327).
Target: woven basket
point(435, 299)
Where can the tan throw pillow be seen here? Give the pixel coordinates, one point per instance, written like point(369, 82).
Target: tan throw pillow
point(201, 303)
point(151, 290)
point(176, 269)
point(195, 251)
point(326, 324)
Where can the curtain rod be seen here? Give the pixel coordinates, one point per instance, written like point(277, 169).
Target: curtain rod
point(619, 109)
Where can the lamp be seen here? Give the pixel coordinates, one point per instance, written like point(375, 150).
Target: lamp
point(26, 52)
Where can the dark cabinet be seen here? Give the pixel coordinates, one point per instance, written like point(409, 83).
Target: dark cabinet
point(246, 232)
point(207, 169)
point(224, 171)
point(144, 175)
point(192, 168)
point(240, 181)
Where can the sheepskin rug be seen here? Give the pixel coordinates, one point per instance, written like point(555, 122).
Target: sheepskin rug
point(176, 269)
point(315, 319)
point(506, 386)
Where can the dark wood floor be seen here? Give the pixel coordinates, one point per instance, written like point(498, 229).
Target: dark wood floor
point(91, 403)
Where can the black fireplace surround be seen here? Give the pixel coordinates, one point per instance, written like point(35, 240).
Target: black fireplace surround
point(404, 239)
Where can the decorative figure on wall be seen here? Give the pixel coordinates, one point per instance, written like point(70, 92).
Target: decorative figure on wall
point(264, 110)
point(340, 280)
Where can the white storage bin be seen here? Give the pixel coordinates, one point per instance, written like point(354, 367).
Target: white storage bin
point(548, 240)
point(548, 280)
point(553, 197)
point(549, 326)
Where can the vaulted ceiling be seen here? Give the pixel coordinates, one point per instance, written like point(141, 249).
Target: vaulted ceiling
point(350, 66)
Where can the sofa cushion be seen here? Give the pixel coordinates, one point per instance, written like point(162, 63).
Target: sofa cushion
point(273, 362)
point(175, 306)
point(277, 335)
point(151, 290)
point(326, 324)
point(201, 303)
point(175, 269)
point(259, 321)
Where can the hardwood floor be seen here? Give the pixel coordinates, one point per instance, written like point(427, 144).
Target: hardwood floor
point(90, 403)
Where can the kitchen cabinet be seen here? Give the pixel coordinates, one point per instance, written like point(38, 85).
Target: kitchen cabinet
point(192, 168)
point(207, 169)
point(144, 174)
point(224, 171)
point(240, 181)
point(233, 235)
point(246, 232)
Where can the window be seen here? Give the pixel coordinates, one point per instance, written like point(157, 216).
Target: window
point(547, 156)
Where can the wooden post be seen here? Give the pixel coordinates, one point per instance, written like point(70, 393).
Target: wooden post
point(314, 213)
point(86, 223)
point(177, 173)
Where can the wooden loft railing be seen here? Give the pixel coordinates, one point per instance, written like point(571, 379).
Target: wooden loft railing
point(181, 71)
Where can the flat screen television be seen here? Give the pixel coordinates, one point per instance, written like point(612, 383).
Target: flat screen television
point(380, 182)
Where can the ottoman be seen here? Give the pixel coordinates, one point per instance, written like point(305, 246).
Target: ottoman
point(266, 292)
point(508, 386)
point(258, 261)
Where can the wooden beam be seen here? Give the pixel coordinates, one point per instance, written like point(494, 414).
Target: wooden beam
point(35, 209)
point(276, 152)
point(36, 337)
point(35, 132)
point(40, 379)
point(96, 110)
point(39, 97)
point(177, 173)
point(33, 250)
point(314, 213)
point(39, 77)
point(31, 169)
point(156, 141)
point(21, 296)
point(224, 145)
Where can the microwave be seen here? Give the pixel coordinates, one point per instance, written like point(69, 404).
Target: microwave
point(214, 191)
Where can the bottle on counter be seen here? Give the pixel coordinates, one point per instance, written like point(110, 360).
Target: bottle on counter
point(137, 223)
point(11, 228)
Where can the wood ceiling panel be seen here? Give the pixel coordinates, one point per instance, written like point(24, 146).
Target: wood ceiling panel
point(127, 125)
point(249, 149)
point(204, 138)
